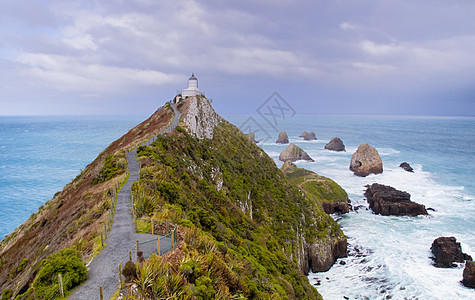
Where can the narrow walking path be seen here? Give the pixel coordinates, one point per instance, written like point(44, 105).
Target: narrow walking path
point(104, 269)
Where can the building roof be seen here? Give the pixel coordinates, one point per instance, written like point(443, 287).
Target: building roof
point(193, 77)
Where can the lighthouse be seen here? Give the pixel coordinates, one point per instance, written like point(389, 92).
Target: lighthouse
point(192, 89)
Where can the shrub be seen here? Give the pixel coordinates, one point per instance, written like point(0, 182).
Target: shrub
point(66, 262)
point(114, 165)
point(129, 271)
point(7, 294)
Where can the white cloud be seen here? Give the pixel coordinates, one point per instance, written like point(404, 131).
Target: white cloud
point(379, 49)
point(347, 26)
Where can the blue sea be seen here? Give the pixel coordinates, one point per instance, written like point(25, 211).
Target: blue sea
point(40, 155)
point(389, 256)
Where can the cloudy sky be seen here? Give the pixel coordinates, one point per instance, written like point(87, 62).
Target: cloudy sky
point(340, 57)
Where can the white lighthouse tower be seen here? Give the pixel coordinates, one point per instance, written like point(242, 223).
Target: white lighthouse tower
point(192, 89)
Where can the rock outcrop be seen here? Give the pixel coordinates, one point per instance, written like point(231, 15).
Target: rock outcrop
point(323, 254)
point(388, 201)
point(336, 207)
point(252, 137)
point(293, 153)
point(447, 251)
point(304, 134)
point(406, 167)
point(198, 117)
point(366, 160)
point(336, 144)
point(310, 136)
point(469, 274)
point(283, 138)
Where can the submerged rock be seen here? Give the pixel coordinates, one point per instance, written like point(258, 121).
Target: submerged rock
point(293, 153)
point(388, 201)
point(469, 274)
point(447, 252)
point(336, 144)
point(283, 138)
point(366, 160)
point(406, 167)
point(310, 136)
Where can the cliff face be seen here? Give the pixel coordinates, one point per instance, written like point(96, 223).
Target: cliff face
point(243, 218)
point(325, 195)
point(198, 117)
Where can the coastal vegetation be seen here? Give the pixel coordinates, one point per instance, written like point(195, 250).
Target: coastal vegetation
point(232, 198)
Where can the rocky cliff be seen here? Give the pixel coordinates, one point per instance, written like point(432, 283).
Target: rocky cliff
point(328, 196)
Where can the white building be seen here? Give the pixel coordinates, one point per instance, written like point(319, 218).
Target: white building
point(192, 89)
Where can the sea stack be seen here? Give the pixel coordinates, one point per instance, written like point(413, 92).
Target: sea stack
point(388, 201)
point(366, 160)
point(310, 137)
point(293, 153)
point(304, 134)
point(336, 144)
point(447, 251)
point(406, 167)
point(283, 138)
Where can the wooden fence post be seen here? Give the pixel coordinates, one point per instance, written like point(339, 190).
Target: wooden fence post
point(130, 255)
point(151, 221)
point(101, 293)
point(102, 240)
point(60, 284)
point(120, 276)
point(158, 244)
point(137, 246)
point(173, 240)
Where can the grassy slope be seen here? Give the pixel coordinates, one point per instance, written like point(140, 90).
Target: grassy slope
point(319, 188)
point(228, 190)
point(76, 215)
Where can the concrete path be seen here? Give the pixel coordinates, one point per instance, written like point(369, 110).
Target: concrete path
point(104, 269)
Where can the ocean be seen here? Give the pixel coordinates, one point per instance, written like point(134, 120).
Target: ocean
point(389, 256)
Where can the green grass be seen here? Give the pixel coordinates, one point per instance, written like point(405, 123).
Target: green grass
point(259, 216)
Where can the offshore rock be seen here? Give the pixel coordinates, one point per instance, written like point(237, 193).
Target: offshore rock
point(293, 153)
point(469, 274)
point(388, 201)
point(283, 138)
point(406, 167)
point(322, 255)
point(304, 134)
point(310, 136)
point(447, 252)
point(336, 144)
point(366, 160)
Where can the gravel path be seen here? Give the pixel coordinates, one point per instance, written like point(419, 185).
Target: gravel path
point(104, 269)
